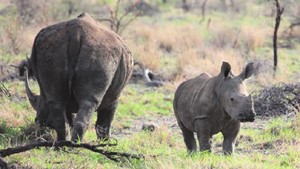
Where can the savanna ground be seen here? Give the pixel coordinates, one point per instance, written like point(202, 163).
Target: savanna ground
point(176, 45)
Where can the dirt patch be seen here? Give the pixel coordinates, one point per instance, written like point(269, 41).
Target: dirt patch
point(137, 125)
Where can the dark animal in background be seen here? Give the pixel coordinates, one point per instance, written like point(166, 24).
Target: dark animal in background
point(81, 67)
point(150, 80)
point(208, 105)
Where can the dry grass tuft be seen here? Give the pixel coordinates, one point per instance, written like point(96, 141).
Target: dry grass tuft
point(252, 38)
point(191, 64)
point(153, 42)
point(245, 38)
point(223, 36)
point(265, 74)
point(168, 38)
point(148, 55)
point(296, 124)
point(12, 116)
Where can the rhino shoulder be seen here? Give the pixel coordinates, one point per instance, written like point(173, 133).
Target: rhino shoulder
point(204, 76)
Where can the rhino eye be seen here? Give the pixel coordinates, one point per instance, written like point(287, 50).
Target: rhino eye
point(232, 99)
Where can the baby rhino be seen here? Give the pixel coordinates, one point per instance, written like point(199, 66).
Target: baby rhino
point(208, 105)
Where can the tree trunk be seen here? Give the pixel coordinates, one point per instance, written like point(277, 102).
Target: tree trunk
point(185, 5)
point(203, 9)
point(279, 11)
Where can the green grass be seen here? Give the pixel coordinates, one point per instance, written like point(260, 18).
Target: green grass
point(273, 146)
point(137, 101)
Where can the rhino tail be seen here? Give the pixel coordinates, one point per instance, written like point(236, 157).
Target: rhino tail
point(74, 46)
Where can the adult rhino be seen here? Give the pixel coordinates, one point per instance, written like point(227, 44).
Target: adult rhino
point(80, 67)
point(208, 105)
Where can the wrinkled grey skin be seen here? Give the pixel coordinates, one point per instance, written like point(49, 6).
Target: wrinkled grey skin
point(208, 105)
point(81, 67)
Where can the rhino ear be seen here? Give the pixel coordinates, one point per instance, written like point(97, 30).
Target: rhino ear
point(225, 69)
point(247, 72)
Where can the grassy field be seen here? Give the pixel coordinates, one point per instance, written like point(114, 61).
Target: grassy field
point(266, 143)
point(176, 45)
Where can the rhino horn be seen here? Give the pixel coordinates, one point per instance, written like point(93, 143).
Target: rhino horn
point(31, 96)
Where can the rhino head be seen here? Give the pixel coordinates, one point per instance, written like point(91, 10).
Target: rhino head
point(39, 104)
point(233, 96)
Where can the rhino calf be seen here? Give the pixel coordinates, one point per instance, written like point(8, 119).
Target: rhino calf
point(208, 105)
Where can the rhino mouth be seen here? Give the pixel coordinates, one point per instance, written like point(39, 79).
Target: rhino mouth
point(247, 120)
point(246, 117)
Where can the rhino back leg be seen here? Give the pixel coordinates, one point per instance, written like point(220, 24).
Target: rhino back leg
point(51, 74)
point(89, 90)
point(188, 137)
point(104, 119)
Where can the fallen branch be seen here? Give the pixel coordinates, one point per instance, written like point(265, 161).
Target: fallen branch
point(3, 163)
point(114, 156)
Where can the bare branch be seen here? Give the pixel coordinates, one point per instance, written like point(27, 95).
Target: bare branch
point(128, 22)
point(119, 23)
point(117, 10)
point(114, 156)
point(106, 20)
point(294, 25)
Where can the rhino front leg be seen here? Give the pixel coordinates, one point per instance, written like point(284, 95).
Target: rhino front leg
point(203, 129)
point(104, 119)
point(230, 133)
